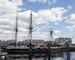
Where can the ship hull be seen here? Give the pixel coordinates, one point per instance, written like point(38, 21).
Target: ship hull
point(18, 51)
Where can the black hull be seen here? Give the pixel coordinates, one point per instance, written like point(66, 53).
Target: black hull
point(18, 51)
point(38, 51)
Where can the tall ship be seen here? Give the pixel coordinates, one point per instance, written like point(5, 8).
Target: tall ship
point(18, 49)
point(28, 49)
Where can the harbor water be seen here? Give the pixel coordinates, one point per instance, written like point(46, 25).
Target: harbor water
point(54, 56)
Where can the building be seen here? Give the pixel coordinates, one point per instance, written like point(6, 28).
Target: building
point(10, 42)
point(34, 42)
point(63, 41)
point(51, 43)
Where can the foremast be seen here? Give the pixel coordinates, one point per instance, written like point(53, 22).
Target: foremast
point(30, 30)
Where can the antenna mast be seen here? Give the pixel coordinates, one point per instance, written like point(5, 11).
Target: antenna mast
point(16, 28)
point(30, 29)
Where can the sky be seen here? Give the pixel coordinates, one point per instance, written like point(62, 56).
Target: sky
point(56, 15)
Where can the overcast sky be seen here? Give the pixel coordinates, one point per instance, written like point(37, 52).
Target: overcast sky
point(58, 15)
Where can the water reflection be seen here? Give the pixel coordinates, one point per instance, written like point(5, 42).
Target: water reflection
point(58, 58)
point(72, 56)
point(68, 55)
point(54, 56)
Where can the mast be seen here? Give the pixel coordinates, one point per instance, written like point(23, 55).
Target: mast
point(30, 29)
point(16, 28)
point(51, 34)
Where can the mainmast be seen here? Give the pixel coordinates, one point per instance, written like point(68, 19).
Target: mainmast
point(30, 29)
point(16, 28)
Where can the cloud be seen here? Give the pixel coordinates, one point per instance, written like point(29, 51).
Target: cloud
point(71, 27)
point(8, 17)
point(9, 6)
point(56, 23)
point(44, 1)
point(49, 15)
point(39, 35)
point(42, 18)
point(69, 7)
point(51, 2)
point(71, 20)
point(56, 33)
